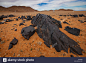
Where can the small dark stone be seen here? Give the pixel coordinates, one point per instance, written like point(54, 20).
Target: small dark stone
point(60, 15)
point(65, 22)
point(14, 41)
point(42, 56)
point(15, 29)
point(16, 19)
point(71, 56)
point(21, 24)
point(14, 24)
point(10, 46)
point(0, 39)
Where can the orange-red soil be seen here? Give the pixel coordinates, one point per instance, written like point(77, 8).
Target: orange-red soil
point(31, 47)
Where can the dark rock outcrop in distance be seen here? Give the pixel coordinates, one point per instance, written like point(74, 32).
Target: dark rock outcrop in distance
point(82, 21)
point(27, 32)
point(11, 15)
point(21, 24)
point(1, 17)
point(48, 30)
point(13, 42)
point(74, 15)
point(8, 20)
point(73, 31)
point(81, 15)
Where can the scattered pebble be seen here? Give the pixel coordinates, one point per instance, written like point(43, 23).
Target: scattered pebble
point(39, 43)
point(18, 55)
point(84, 51)
point(14, 54)
point(2, 41)
point(21, 50)
point(71, 56)
point(64, 54)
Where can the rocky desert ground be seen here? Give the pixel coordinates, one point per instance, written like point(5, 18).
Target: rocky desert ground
point(35, 47)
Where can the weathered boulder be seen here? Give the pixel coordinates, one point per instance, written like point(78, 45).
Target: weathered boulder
point(48, 30)
point(73, 31)
point(27, 32)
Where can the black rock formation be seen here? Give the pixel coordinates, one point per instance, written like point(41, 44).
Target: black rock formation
point(48, 30)
point(73, 31)
point(27, 32)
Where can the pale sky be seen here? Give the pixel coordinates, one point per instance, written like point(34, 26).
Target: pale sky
point(47, 4)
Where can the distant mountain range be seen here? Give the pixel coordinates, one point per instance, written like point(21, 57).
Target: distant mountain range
point(25, 9)
point(17, 9)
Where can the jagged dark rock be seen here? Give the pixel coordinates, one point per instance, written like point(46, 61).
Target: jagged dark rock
point(48, 30)
point(27, 32)
point(10, 46)
point(14, 41)
point(21, 24)
point(73, 31)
